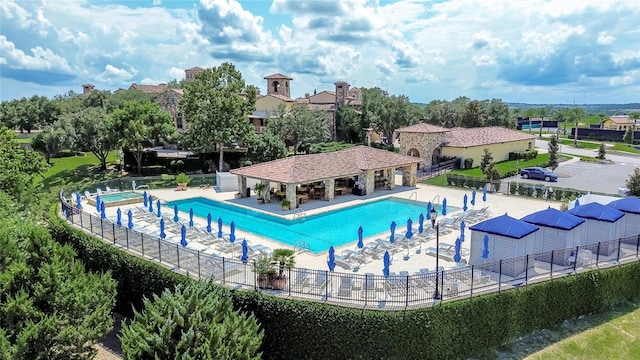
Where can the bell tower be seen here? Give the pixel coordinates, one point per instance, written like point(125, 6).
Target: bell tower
point(278, 84)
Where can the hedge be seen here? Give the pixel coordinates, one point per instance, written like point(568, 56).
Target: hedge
point(296, 329)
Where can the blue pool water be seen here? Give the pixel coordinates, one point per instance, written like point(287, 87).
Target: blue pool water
point(124, 195)
point(320, 231)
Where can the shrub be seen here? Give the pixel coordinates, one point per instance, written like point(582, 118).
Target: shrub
point(468, 163)
point(513, 187)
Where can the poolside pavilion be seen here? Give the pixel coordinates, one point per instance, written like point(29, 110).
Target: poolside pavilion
point(360, 170)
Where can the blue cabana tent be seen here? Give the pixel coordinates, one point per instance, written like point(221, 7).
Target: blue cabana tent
point(630, 206)
point(558, 231)
point(603, 223)
point(509, 238)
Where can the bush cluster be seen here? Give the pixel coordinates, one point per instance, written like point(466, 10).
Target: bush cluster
point(527, 155)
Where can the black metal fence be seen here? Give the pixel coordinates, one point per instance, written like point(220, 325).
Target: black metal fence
point(398, 291)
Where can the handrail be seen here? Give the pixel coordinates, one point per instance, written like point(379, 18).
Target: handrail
point(433, 201)
point(414, 193)
point(299, 212)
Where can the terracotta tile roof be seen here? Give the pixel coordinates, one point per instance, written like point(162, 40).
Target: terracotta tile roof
point(278, 76)
point(195, 68)
point(281, 97)
point(316, 167)
point(466, 137)
point(149, 89)
point(621, 119)
point(423, 128)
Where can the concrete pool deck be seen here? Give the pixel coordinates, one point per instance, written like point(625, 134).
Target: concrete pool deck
point(408, 261)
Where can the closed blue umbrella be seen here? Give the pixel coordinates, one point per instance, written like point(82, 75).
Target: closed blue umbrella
point(144, 195)
point(457, 256)
point(484, 193)
point(464, 203)
point(163, 235)
point(102, 210)
point(332, 259)
point(183, 236)
point(232, 235)
point(387, 262)
point(473, 197)
point(78, 201)
point(577, 203)
point(190, 216)
point(98, 201)
point(429, 210)
point(392, 238)
point(209, 222)
point(485, 251)
point(245, 252)
point(158, 206)
point(360, 243)
point(420, 223)
point(130, 216)
point(175, 213)
point(444, 207)
point(219, 228)
point(119, 217)
point(150, 204)
point(409, 233)
point(462, 225)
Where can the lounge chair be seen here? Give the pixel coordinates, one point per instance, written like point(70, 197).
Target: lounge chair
point(87, 194)
point(110, 190)
point(343, 262)
point(301, 278)
point(99, 191)
point(319, 283)
point(346, 286)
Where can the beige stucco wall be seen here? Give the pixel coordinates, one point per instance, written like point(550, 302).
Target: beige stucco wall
point(268, 103)
point(322, 98)
point(424, 143)
point(500, 152)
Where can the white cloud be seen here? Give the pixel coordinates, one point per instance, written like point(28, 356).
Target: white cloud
point(10, 10)
point(605, 39)
point(114, 75)
point(41, 59)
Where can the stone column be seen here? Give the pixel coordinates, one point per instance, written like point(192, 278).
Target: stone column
point(267, 190)
point(291, 195)
point(390, 175)
point(242, 186)
point(409, 175)
point(369, 181)
point(329, 189)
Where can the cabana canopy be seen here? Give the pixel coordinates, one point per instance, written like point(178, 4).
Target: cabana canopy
point(628, 205)
point(553, 218)
point(505, 225)
point(596, 211)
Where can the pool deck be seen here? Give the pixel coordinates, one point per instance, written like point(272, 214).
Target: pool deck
point(409, 260)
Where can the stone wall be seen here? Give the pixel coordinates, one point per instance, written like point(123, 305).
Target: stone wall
point(424, 143)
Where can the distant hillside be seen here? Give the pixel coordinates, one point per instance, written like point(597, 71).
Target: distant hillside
point(591, 109)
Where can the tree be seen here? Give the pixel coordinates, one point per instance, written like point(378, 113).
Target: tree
point(487, 158)
point(529, 114)
point(542, 112)
point(601, 152)
point(386, 113)
point(635, 116)
point(192, 322)
point(348, 124)
point(300, 126)
point(217, 104)
point(628, 135)
point(554, 147)
point(473, 115)
point(50, 141)
point(96, 132)
point(143, 125)
point(491, 172)
point(50, 307)
point(18, 168)
point(497, 114)
point(267, 147)
point(575, 115)
point(633, 183)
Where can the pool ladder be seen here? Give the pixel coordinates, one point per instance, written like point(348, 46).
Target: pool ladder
point(414, 193)
point(299, 212)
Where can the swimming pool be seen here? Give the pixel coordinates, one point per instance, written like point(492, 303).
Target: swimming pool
point(320, 231)
point(118, 198)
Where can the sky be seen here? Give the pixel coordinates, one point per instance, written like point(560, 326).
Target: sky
point(527, 51)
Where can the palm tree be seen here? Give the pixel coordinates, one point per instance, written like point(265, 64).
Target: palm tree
point(284, 258)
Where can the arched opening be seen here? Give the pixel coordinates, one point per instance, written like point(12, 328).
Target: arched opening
point(276, 86)
point(413, 152)
point(435, 157)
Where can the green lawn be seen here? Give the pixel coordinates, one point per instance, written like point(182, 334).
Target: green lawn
point(76, 169)
point(506, 166)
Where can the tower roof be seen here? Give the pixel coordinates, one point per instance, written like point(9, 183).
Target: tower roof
point(278, 76)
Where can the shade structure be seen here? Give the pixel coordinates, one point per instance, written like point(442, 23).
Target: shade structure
point(103, 215)
point(119, 217)
point(130, 216)
point(444, 207)
point(464, 203)
point(429, 210)
point(245, 252)
point(392, 228)
point(78, 201)
point(144, 196)
point(209, 222)
point(219, 228)
point(485, 249)
point(409, 233)
point(505, 226)
point(331, 262)
point(462, 225)
point(158, 207)
point(98, 201)
point(484, 193)
point(420, 223)
point(577, 203)
point(457, 256)
point(190, 216)
point(183, 236)
point(150, 204)
point(162, 233)
point(631, 207)
point(360, 242)
point(473, 197)
point(232, 235)
point(175, 213)
point(386, 261)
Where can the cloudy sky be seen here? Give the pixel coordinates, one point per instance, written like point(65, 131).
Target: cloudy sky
point(533, 51)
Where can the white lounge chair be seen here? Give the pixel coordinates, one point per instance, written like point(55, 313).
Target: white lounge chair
point(319, 283)
point(99, 191)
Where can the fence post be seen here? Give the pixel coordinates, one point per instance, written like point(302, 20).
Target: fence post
point(81, 213)
point(598, 255)
point(637, 245)
point(177, 253)
point(473, 267)
point(126, 231)
point(101, 229)
point(500, 276)
point(326, 285)
point(91, 223)
point(526, 273)
point(255, 281)
point(551, 272)
point(113, 229)
point(159, 251)
point(575, 263)
point(618, 257)
point(223, 271)
point(142, 241)
point(289, 271)
point(406, 302)
point(199, 264)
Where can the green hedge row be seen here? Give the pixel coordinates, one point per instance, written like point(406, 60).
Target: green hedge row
point(308, 330)
point(471, 182)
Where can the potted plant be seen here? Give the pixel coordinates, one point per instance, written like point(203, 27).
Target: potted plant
point(265, 271)
point(259, 190)
point(282, 259)
point(182, 180)
point(285, 204)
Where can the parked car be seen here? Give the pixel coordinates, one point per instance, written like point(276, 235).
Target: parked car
point(538, 173)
